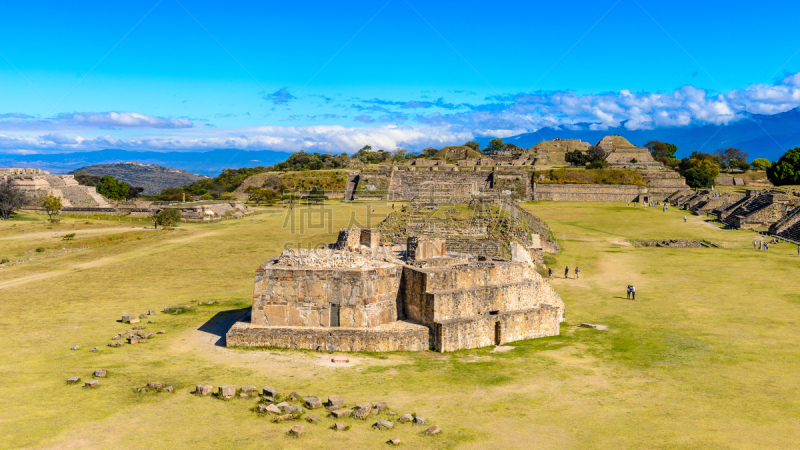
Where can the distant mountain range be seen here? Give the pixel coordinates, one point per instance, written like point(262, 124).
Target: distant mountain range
point(208, 163)
point(761, 136)
point(153, 178)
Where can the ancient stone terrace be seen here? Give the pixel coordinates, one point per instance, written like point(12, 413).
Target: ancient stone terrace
point(359, 297)
point(788, 227)
point(39, 183)
point(756, 209)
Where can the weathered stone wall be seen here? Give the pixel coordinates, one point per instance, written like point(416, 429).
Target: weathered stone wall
point(302, 296)
point(486, 330)
point(424, 248)
point(587, 192)
point(381, 339)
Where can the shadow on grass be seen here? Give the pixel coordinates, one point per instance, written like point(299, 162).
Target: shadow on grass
point(221, 323)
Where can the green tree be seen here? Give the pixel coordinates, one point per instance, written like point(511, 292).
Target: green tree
point(52, 205)
point(11, 198)
point(111, 188)
point(595, 154)
point(494, 146)
point(662, 149)
point(473, 145)
point(228, 196)
point(428, 152)
point(696, 177)
point(399, 154)
point(168, 217)
point(576, 158)
point(786, 170)
point(760, 164)
point(730, 157)
point(598, 164)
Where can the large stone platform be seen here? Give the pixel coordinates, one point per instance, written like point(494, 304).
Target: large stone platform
point(368, 297)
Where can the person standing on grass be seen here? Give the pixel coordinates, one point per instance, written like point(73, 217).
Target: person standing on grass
point(629, 291)
point(633, 292)
point(577, 272)
point(549, 272)
point(684, 219)
point(798, 250)
point(754, 244)
point(566, 272)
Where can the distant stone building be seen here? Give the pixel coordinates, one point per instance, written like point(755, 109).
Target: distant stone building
point(622, 154)
point(39, 183)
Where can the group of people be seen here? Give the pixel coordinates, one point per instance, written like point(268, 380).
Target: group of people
point(631, 292)
point(566, 272)
point(764, 246)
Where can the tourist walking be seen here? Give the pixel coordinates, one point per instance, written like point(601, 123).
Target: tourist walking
point(629, 291)
point(566, 272)
point(577, 272)
point(684, 219)
point(633, 292)
point(754, 244)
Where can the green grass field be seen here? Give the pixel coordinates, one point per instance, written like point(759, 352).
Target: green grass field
point(706, 357)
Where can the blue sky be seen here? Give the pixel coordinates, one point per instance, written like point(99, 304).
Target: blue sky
point(326, 76)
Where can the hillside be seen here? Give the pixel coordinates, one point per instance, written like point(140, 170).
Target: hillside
point(151, 177)
point(454, 152)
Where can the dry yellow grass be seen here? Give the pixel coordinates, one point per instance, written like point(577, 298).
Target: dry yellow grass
point(705, 358)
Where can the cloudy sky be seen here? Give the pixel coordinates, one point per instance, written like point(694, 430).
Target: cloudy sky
point(184, 75)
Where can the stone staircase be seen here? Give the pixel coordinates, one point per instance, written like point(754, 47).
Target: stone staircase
point(743, 207)
point(788, 227)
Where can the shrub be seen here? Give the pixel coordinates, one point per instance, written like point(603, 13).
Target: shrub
point(168, 217)
point(4, 260)
point(696, 177)
point(39, 249)
point(599, 164)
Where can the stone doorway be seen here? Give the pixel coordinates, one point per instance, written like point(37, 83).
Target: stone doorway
point(334, 315)
point(498, 333)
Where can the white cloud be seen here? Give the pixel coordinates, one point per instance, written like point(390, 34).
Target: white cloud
point(123, 119)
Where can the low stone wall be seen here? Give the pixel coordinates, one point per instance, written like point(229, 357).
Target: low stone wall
point(486, 330)
point(407, 337)
point(587, 192)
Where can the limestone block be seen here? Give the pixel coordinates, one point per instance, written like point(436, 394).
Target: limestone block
point(335, 400)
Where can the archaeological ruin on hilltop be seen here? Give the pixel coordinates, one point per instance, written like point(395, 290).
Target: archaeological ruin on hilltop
point(85, 200)
point(366, 293)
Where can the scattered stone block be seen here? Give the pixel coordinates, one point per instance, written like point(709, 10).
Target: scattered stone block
point(312, 419)
point(433, 430)
point(297, 430)
point(99, 373)
point(267, 398)
point(142, 316)
point(341, 413)
point(594, 325)
point(272, 409)
point(268, 391)
point(383, 425)
point(284, 418)
point(294, 409)
point(169, 389)
point(361, 411)
point(282, 405)
point(161, 332)
point(406, 418)
point(75, 347)
point(155, 385)
point(243, 395)
point(167, 309)
point(134, 319)
point(419, 420)
point(393, 441)
point(73, 380)
point(293, 396)
point(340, 359)
point(126, 317)
point(248, 388)
point(228, 390)
point(210, 303)
point(151, 312)
point(203, 389)
point(91, 384)
point(313, 402)
point(338, 426)
point(93, 350)
point(151, 321)
point(133, 340)
point(380, 406)
point(335, 401)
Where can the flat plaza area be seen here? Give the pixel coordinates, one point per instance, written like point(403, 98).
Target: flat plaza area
point(705, 357)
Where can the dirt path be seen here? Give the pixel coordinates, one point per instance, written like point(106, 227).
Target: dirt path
point(44, 234)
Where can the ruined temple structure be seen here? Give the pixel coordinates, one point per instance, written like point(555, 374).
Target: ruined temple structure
point(39, 183)
point(704, 201)
point(622, 154)
point(788, 227)
point(756, 209)
point(365, 295)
